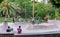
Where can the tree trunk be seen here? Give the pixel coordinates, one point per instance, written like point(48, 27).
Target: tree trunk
point(25, 8)
point(33, 9)
point(5, 17)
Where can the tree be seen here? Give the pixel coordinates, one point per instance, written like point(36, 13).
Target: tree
point(33, 9)
point(26, 8)
point(52, 12)
point(55, 3)
point(1, 1)
point(8, 8)
point(41, 10)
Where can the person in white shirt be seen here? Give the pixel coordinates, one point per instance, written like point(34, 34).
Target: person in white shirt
point(5, 25)
point(33, 21)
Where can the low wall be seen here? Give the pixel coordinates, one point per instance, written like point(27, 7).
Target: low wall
point(6, 35)
point(48, 35)
point(12, 35)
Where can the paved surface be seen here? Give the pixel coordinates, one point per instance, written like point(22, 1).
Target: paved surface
point(26, 26)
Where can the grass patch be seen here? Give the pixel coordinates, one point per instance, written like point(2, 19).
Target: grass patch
point(3, 19)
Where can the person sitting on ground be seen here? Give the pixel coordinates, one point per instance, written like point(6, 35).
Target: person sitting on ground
point(19, 30)
point(9, 29)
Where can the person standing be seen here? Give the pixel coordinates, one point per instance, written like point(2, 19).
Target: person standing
point(5, 25)
point(37, 20)
point(33, 21)
point(46, 19)
point(13, 19)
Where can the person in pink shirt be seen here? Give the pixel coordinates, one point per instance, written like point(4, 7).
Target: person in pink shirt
point(19, 30)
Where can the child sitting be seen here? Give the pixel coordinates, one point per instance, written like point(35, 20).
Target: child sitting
point(9, 29)
point(19, 30)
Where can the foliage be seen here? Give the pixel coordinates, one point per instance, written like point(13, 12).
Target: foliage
point(21, 7)
point(8, 8)
point(55, 3)
point(52, 12)
point(1, 1)
point(41, 10)
point(57, 14)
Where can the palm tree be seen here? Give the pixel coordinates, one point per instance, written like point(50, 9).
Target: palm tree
point(8, 8)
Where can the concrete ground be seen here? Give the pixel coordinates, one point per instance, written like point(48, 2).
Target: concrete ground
point(28, 28)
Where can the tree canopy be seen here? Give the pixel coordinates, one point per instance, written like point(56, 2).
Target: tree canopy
point(55, 3)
